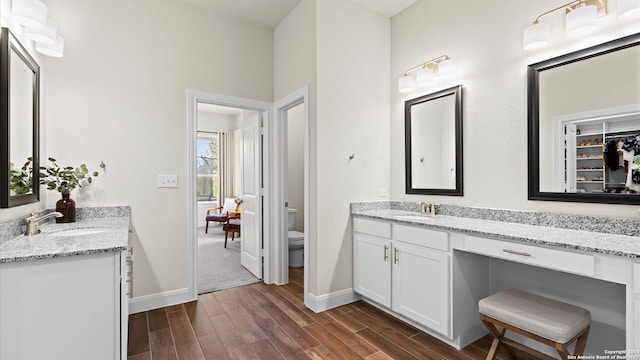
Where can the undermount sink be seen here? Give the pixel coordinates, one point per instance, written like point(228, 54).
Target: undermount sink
point(80, 232)
point(413, 217)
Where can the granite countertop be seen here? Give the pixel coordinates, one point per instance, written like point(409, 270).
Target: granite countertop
point(44, 245)
point(596, 242)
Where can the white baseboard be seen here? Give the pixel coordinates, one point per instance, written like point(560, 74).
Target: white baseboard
point(331, 300)
point(156, 301)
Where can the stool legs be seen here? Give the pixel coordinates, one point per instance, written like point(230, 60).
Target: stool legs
point(497, 339)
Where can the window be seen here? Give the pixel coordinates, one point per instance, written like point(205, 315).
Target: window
point(207, 166)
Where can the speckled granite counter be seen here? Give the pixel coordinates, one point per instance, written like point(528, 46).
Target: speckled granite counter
point(590, 241)
point(44, 245)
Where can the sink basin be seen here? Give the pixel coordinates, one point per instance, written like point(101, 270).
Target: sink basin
point(413, 217)
point(79, 232)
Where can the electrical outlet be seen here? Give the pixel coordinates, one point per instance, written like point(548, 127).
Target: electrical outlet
point(167, 181)
point(383, 192)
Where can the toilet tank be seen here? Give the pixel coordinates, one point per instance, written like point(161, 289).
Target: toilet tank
point(291, 218)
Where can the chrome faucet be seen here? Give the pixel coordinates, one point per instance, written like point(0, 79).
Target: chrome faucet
point(33, 222)
point(428, 208)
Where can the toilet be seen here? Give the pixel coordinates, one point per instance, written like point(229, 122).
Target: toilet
point(295, 241)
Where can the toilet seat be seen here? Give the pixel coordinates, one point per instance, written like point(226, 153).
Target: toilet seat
point(296, 238)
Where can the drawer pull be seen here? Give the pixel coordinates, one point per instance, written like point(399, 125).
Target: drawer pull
point(516, 252)
point(395, 255)
point(386, 253)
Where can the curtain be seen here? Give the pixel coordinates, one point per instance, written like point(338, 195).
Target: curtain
point(226, 163)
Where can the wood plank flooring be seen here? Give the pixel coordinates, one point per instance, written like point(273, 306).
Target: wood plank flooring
point(270, 322)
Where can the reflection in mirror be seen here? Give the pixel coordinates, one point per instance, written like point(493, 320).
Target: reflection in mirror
point(433, 143)
point(19, 111)
point(584, 125)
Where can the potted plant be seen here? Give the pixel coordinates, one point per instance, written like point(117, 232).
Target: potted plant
point(65, 180)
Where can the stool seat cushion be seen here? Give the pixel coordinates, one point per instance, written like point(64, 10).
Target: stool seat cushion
point(551, 319)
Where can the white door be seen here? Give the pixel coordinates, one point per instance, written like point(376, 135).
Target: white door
point(251, 216)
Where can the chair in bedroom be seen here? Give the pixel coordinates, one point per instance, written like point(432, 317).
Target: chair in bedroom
point(231, 226)
point(220, 214)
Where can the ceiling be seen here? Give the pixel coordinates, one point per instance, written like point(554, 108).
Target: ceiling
point(269, 13)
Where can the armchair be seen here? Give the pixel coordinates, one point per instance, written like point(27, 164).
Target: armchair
point(223, 215)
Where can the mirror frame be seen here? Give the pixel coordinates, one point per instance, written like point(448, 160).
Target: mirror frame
point(9, 43)
point(458, 191)
point(533, 72)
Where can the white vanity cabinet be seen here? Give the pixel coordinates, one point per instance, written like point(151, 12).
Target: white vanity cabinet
point(421, 276)
point(404, 269)
point(372, 260)
point(64, 308)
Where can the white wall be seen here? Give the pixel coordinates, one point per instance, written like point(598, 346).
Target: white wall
point(294, 50)
point(119, 96)
point(352, 118)
point(295, 163)
point(211, 122)
point(486, 40)
point(342, 51)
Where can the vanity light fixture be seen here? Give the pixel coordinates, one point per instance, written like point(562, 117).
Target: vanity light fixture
point(628, 9)
point(31, 13)
point(443, 66)
point(581, 18)
point(44, 36)
point(54, 50)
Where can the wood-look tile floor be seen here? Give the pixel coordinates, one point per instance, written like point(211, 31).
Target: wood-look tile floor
point(270, 322)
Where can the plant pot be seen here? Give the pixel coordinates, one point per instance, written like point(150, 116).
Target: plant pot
point(67, 207)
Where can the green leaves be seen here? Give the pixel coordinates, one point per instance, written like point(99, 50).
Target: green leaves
point(21, 180)
point(64, 179)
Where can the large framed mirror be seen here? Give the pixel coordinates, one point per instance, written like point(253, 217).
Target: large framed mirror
point(584, 124)
point(19, 123)
point(433, 143)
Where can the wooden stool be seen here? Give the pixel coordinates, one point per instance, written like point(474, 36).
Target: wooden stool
point(548, 321)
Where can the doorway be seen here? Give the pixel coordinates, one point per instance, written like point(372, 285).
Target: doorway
point(270, 147)
point(249, 115)
point(219, 183)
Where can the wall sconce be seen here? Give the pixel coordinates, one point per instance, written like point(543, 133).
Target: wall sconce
point(54, 50)
point(628, 9)
point(32, 14)
point(581, 18)
point(443, 66)
point(47, 35)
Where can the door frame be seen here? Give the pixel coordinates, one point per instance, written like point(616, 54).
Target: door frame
point(193, 98)
point(279, 250)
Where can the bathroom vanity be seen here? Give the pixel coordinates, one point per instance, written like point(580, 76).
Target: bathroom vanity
point(432, 271)
point(65, 290)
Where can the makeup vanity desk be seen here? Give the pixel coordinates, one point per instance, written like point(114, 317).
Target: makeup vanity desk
point(432, 271)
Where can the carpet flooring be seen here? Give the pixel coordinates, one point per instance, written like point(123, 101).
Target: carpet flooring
point(219, 268)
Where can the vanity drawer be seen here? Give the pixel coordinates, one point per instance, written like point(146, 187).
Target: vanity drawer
point(372, 227)
point(438, 240)
point(533, 255)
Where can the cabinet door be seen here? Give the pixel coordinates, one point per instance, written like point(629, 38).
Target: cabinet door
point(61, 308)
point(372, 268)
point(421, 285)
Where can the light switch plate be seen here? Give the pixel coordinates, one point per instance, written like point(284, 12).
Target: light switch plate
point(167, 181)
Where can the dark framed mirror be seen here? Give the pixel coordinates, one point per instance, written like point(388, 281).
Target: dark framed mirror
point(583, 124)
point(433, 143)
point(19, 123)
